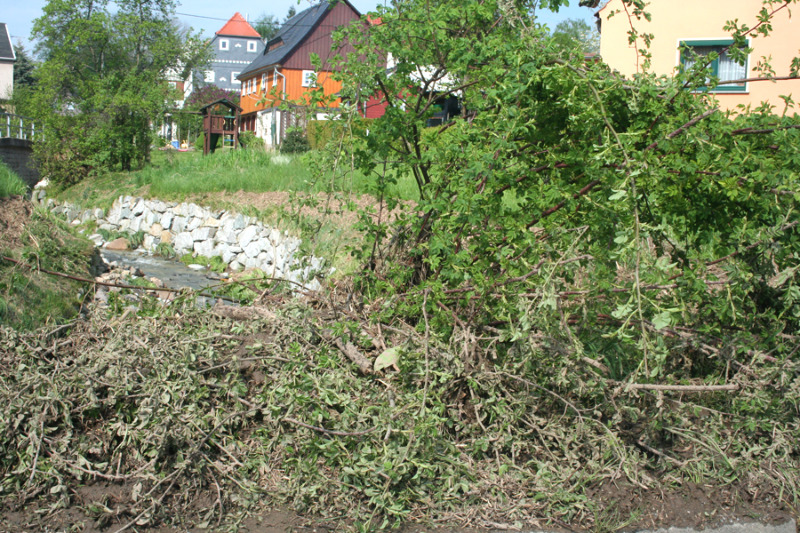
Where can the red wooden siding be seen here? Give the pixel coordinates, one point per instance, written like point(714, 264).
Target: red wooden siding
point(320, 41)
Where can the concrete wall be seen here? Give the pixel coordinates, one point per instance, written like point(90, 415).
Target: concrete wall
point(17, 154)
point(674, 21)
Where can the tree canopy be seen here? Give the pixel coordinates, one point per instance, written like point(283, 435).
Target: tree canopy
point(266, 25)
point(23, 67)
point(103, 81)
point(576, 34)
point(565, 199)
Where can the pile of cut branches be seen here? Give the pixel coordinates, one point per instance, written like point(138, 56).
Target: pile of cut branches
point(198, 419)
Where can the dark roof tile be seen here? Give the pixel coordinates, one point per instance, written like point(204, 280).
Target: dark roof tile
point(6, 50)
point(291, 34)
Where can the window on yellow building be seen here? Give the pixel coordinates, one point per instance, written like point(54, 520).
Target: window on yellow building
point(722, 65)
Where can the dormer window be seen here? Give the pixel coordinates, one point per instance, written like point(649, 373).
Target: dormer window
point(273, 45)
point(223, 44)
point(251, 46)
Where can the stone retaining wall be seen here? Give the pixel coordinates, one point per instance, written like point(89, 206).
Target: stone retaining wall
point(242, 242)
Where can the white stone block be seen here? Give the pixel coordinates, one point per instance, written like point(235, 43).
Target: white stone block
point(204, 248)
point(247, 235)
point(203, 233)
point(166, 219)
point(184, 242)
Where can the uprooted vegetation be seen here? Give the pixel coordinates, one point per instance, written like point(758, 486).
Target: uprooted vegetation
point(199, 419)
point(593, 307)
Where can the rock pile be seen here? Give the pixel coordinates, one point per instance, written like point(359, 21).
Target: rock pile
point(242, 242)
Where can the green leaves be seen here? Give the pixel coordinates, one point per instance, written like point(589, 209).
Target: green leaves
point(389, 358)
point(104, 74)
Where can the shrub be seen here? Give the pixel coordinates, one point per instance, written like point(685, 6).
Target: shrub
point(250, 140)
point(295, 142)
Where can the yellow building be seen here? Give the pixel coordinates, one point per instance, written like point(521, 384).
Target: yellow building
point(699, 24)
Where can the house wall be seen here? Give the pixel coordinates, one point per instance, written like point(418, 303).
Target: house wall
point(228, 63)
point(679, 20)
point(294, 89)
point(321, 41)
point(6, 79)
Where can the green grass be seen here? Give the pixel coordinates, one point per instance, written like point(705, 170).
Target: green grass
point(10, 183)
point(29, 298)
point(178, 174)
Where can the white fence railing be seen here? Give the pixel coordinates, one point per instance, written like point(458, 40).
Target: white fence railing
point(17, 127)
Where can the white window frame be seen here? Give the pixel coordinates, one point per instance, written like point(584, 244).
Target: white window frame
point(251, 46)
point(208, 76)
point(224, 44)
point(233, 77)
point(309, 78)
point(264, 82)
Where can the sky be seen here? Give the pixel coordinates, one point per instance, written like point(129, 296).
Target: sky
point(208, 16)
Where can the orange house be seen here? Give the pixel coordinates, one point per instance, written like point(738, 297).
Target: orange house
point(283, 72)
point(682, 30)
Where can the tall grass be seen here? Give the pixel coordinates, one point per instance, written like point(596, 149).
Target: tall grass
point(174, 174)
point(10, 183)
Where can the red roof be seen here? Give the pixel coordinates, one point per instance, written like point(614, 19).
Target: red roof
point(237, 26)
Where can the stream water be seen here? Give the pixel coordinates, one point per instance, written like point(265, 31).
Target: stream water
point(174, 274)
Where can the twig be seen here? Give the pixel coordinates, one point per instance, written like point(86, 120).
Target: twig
point(329, 431)
point(427, 353)
point(352, 353)
point(661, 454)
point(38, 450)
point(686, 126)
point(680, 388)
point(153, 506)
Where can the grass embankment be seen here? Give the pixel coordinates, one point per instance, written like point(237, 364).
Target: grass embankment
point(37, 240)
point(284, 191)
point(10, 183)
point(179, 176)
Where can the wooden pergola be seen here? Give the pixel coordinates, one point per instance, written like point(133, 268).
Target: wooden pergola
point(220, 117)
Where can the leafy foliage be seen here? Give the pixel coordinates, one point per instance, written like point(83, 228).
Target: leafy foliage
point(209, 93)
point(295, 142)
point(566, 199)
point(576, 34)
point(102, 82)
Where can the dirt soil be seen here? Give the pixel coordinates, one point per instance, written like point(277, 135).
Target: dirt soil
point(695, 506)
point(14, 213)
point(341, 215)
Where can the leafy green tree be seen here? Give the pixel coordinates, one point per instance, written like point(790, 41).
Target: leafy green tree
point(102, 82)
point(267, 26)
point(567, 200)
point(23, 68)
point(576, 34)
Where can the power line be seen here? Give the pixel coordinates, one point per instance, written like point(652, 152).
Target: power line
point(201, 16)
